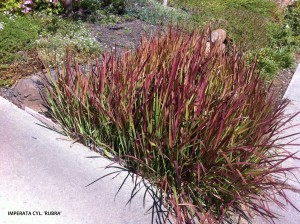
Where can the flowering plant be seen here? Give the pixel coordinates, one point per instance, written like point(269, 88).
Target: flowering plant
point(26, 6)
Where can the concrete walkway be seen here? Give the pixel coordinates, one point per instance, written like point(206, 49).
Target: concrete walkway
point(40, 172)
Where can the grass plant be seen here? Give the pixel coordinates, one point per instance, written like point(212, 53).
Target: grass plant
point(198, 124)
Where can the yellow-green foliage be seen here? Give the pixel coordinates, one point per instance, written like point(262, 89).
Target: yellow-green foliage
point(10, 5)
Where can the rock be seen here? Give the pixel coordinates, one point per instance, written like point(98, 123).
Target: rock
point(27, 92)
point(218, 35)
point(208, 46)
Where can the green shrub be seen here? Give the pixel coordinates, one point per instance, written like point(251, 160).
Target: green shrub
point(284, 58)
point(268, 67)
point(247, 29)
point(90, 5)
point(292, 23)
point(245, 20)
point(114, 6)
point(255, 26)
point(283, 42)
point(293, 18)
point(50, 7)
point(262, 7)
point(197, 123)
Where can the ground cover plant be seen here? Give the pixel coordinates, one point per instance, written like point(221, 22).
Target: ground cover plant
point(61, 34)
point(197, 123)
point(17, 36)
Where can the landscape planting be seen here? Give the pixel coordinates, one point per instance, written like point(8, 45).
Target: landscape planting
point(153, 87)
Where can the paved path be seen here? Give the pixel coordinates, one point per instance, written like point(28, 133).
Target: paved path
point(39, 172)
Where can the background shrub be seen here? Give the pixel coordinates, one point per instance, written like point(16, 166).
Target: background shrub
point(50, 7)
point(245, 21)
point(114, 6)
point(153, 12)
point(23, 6)
point(90, 5)
point(10, 5)
point(293, 18)
point(200, 125)
point(272, 60)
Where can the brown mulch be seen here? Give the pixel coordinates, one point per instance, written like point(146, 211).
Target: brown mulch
point(125, 35)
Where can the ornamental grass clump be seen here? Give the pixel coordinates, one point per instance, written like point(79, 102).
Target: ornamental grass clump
point(195, 122)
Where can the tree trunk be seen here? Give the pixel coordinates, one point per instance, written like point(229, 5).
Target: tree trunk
point(68, 6)
point(165, 2)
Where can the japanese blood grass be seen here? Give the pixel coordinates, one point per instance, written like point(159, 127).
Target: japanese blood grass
point(196, 122)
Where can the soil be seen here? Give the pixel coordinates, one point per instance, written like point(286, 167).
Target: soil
point(126, 35)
